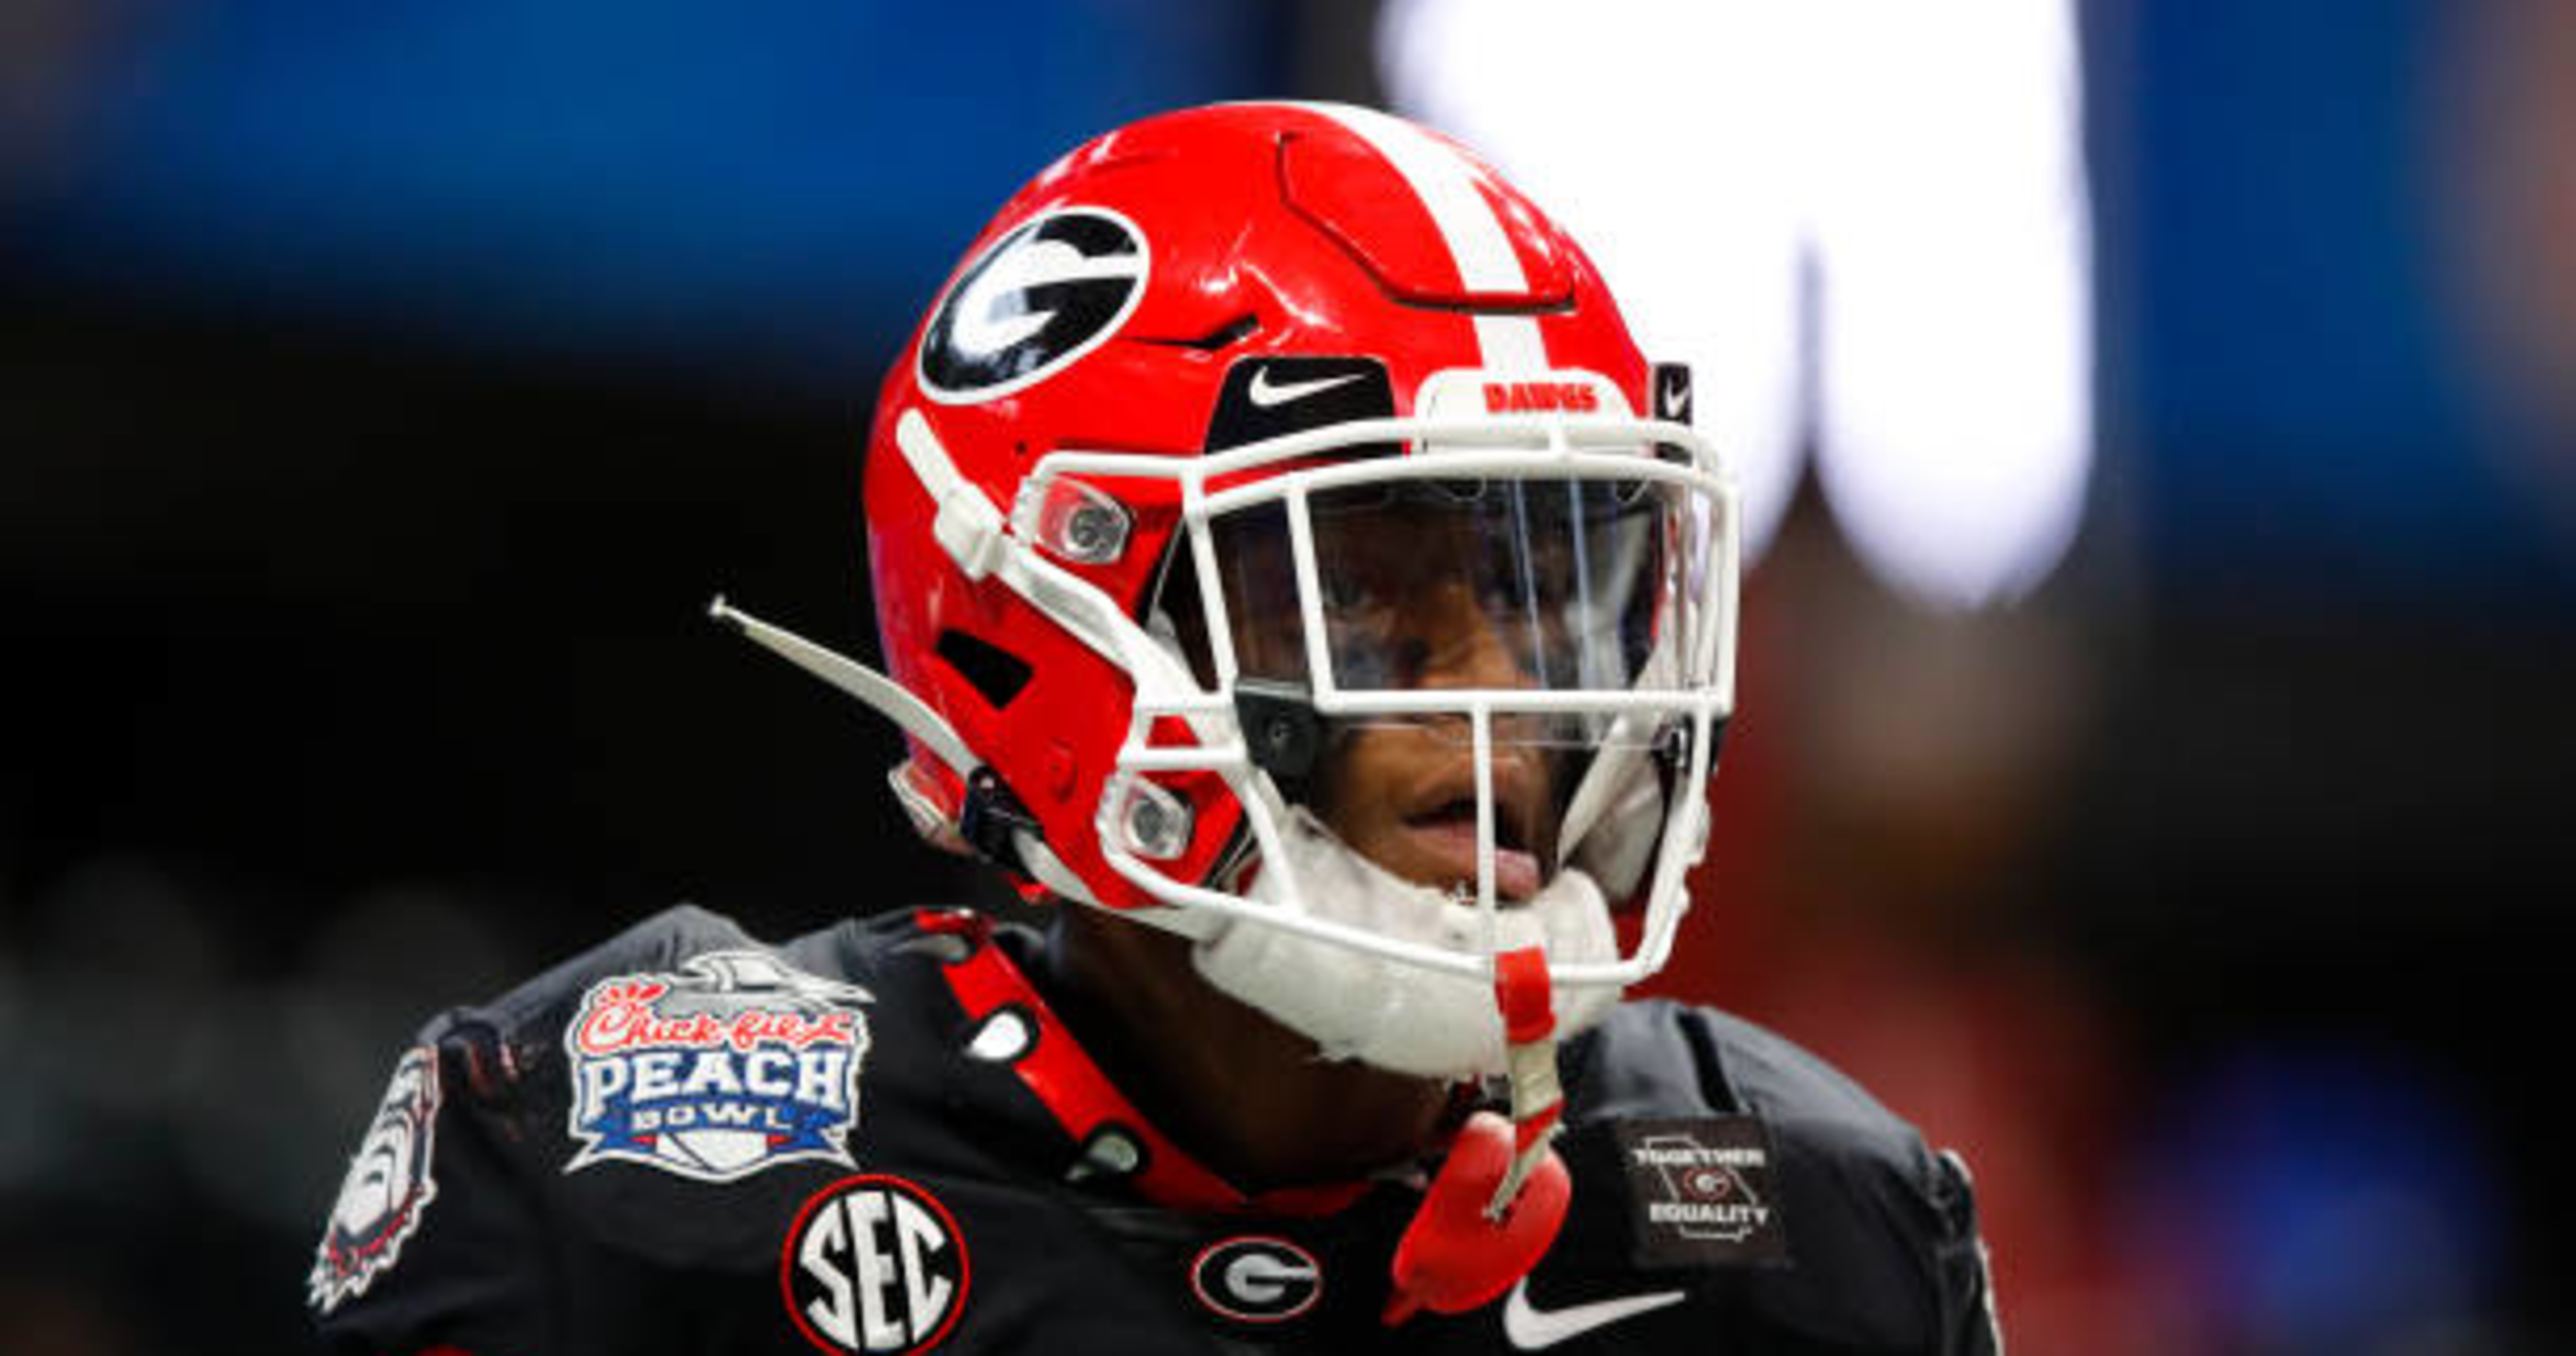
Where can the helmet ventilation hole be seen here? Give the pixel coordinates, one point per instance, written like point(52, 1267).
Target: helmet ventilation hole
point(1217, 340)
point(996, 674)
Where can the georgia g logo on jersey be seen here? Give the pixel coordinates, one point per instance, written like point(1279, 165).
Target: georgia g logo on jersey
point(1256, 1279)
point(1046, 293)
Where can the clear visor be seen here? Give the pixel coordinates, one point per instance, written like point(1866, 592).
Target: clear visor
point(1552, 599)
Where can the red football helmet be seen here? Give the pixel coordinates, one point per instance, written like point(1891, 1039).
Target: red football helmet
point(1206, 402)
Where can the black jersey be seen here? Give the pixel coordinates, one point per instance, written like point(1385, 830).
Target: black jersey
point(877, 1138)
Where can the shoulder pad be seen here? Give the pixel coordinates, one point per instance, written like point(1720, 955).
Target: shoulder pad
point(684, 965)
point(1882, 1232)
point(660, 942)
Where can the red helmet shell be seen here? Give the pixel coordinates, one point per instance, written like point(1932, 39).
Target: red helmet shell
point(1101, 309)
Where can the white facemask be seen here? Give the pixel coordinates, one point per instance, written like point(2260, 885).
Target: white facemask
point(1399, 1017)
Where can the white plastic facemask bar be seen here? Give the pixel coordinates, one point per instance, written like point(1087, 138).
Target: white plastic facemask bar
point(1667, 901)
point(1724, 600)
point(1581, 436)
point(1471, 965)
point(1685, 837)
point(1220, 626)
point(1310, 601)
point(1481, 724)
point(1620, 749)
point(1508, 701)
point(1527, 466)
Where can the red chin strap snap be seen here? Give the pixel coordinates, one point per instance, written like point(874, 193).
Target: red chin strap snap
point(1502, 1196)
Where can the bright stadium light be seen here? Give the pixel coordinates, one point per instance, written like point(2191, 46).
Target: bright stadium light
point(1861, 220)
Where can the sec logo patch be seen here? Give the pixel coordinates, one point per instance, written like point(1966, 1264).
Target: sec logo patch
point(874, 1265)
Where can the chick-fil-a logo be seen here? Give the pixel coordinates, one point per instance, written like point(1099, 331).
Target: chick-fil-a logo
point(735, 1064)
point(623, 1017)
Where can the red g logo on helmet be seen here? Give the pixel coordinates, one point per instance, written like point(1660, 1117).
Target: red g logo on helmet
point(1041, 296)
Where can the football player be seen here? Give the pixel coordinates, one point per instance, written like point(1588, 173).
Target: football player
point(1291, 577)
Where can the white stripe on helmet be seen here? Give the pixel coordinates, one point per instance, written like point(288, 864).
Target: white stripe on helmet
point(1446, 183)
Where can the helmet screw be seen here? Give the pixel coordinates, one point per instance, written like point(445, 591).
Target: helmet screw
point(1158, 824)
point(1092, 531)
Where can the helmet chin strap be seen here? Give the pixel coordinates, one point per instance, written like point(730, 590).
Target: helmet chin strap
point(1501, 1198)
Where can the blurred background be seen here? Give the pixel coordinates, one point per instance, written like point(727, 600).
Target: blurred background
point(2160, 423)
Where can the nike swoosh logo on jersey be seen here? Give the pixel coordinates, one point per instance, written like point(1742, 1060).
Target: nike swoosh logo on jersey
point(1267, 394)
point(1531, 1328)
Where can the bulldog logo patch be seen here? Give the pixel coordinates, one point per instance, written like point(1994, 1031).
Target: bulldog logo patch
point(736, 1063)
point(387, 1187)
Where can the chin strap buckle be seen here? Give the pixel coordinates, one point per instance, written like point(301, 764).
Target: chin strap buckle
point(1502, 1196)
point(991, 820)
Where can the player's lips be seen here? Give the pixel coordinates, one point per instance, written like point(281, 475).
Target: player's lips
point(1440, 832)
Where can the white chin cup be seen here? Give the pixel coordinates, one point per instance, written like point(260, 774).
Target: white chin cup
point(1404, 1018)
